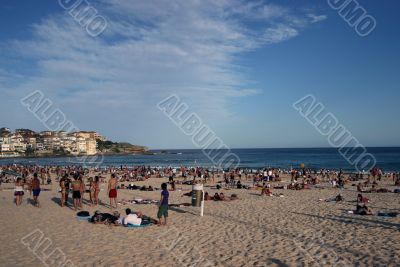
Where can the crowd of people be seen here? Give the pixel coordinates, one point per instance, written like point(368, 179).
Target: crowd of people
point(76, 181)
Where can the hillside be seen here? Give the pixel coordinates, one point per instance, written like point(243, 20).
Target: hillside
point(109, 147)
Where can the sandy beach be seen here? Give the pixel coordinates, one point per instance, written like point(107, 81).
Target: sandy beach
point(294, 230)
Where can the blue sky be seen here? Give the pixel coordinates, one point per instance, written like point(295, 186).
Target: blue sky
point(238, 64)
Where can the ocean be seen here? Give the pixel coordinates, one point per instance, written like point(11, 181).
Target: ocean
point(388, 159)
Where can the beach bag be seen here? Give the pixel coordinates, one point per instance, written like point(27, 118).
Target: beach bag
point(83, 214)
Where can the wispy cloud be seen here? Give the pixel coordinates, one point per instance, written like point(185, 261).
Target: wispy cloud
point(317, 18)
point(151, 49)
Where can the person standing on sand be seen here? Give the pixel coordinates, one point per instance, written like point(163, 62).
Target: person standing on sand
point(35, 185)
point(91, 190)
point(42, 177)
point(163, 206)
point(96, 189)
point(65, 185)
point(112, 190)
point(83, 190)
point(76, 191)
point(19, 191)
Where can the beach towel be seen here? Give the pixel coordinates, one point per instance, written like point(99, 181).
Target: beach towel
point(83, 218)
point(138, 226)
point(144, 201)
point(388, 214)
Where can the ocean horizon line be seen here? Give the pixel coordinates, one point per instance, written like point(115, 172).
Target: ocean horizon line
point(241, 148)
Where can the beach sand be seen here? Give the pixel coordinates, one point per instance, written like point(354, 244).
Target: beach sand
point(295, 230)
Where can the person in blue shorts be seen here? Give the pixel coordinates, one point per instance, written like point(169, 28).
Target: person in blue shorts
point(36, 189)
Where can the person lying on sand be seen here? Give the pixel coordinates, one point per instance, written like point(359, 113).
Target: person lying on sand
point(135, 218)
point(363, 210)
point(105, 218)
point(189, 194)
point(216, 197)
point(144, 188)
point(132, 218)
point(207, 197)
point(295, 186)
point(180, 205)
point(222, 197)
point(377, 190)
point(337, 198)
point(234, 197)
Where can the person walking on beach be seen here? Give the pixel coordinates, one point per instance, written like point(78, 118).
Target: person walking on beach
point(112, 190)
point(163, 206)
point(35, 185)
point(96, 189)
point(19, 191)
point(76, 191)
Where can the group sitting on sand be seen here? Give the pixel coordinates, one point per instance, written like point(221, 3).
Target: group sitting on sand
point(220, 197)
point(217, 196)
point(361, 207)
point(135, 219)
point(131, 219)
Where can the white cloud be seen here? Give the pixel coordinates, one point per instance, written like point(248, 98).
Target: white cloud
point(151, 49)
point(278, 34)
point(317, 18)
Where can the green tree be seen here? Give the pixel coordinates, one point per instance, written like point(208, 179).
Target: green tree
point(29, 151)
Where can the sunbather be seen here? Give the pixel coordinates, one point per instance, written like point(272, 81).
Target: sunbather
point(105, 218)
point(363, 210)
point(132, 218)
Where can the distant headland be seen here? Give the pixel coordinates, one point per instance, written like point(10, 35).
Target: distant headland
point(28, 143)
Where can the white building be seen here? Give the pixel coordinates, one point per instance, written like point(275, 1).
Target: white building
point(4, 147)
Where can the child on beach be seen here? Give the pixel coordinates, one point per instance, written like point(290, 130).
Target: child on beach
point(163, 206)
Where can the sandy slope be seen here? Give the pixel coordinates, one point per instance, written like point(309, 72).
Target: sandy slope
point(296, 230)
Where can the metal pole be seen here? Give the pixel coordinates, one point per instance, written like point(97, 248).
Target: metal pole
point(202, 205)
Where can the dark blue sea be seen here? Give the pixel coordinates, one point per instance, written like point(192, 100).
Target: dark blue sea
point(388, 159)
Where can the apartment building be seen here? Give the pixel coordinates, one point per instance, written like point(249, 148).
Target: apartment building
point(83, 142)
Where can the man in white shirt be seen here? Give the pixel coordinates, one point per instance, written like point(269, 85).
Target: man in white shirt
point(131, 218)
point(269, 175)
